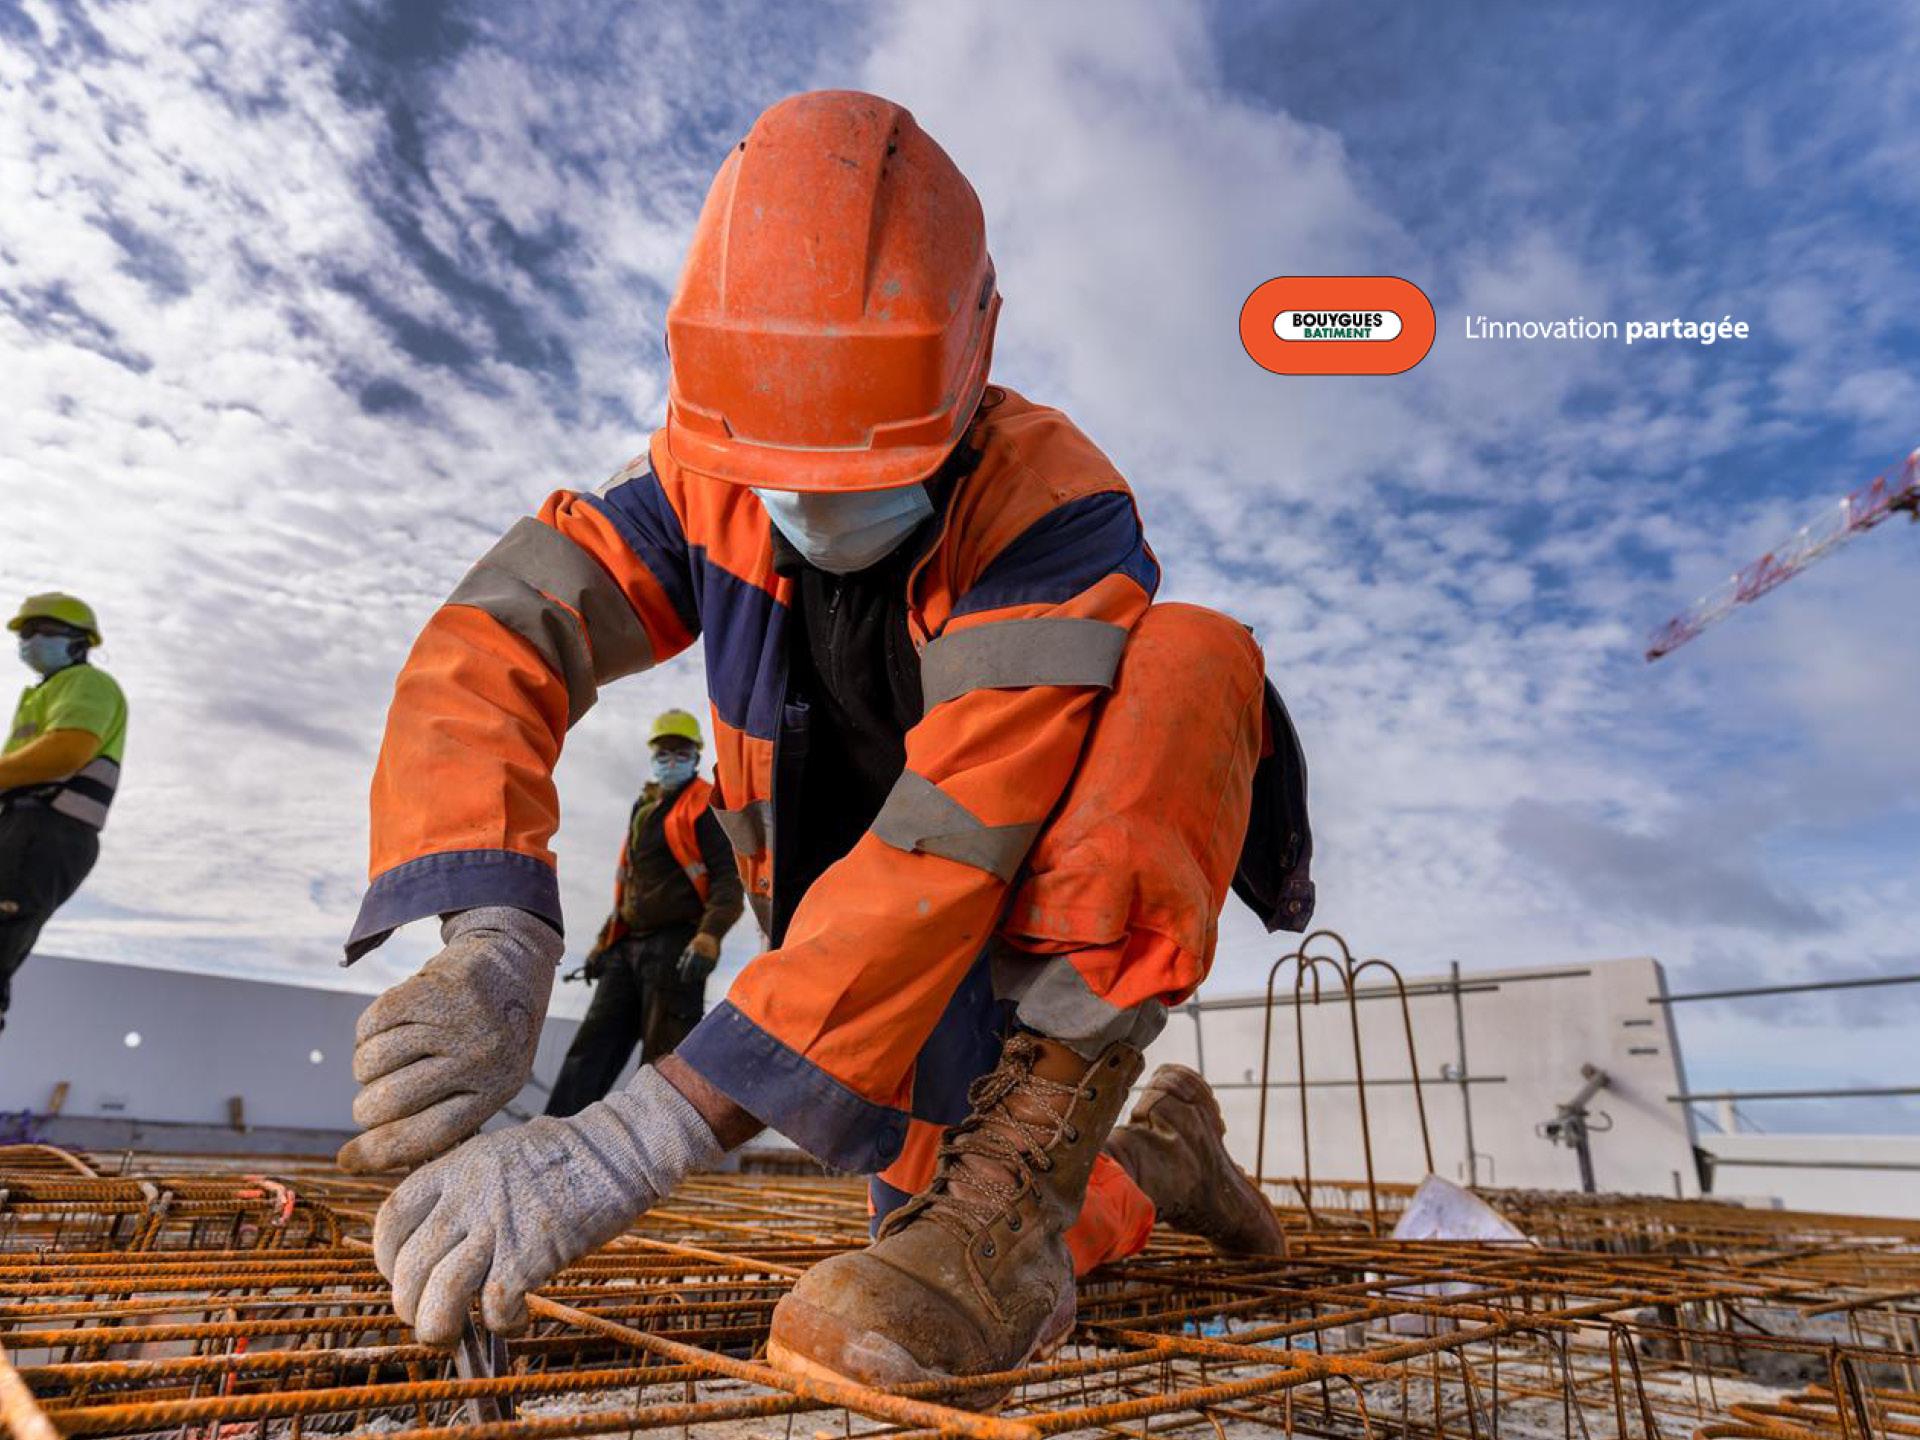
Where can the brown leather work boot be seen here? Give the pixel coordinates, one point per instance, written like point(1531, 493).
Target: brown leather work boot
point(1174, 1147)
point(971, 1275)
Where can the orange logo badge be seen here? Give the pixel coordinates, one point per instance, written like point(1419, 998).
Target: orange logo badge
point(1337, 325)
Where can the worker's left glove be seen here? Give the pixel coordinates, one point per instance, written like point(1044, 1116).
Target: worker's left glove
point(698, 959)
point(512, 1208)
point(440, 1053)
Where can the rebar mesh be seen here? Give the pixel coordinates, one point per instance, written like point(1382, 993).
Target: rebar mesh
point(207, 1301)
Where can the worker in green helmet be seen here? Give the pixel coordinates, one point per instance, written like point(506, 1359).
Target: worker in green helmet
point(676, 893)
point(59, 768)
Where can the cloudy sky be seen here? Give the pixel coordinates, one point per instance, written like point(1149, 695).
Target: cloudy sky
point(302, 304)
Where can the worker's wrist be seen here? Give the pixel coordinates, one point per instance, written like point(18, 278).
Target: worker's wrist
point(533, 938)
point(650, 1104)
point(731, 1125)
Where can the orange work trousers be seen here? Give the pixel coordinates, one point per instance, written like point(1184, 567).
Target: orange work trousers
point(1116, 914)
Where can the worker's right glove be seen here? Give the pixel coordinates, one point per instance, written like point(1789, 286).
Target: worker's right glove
point(440, 1053)
point(512, 1208)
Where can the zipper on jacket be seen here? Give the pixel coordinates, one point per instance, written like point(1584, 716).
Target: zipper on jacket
point(836, 642)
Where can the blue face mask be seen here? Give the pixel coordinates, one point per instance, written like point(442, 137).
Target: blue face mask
point(674, 770)
point(44, 654)
point(845, 532)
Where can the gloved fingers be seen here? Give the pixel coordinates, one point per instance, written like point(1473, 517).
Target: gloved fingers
point(355, 1159)
point(415, 1139)
point(420, 1254)
point(441, 1303)
point(405, 1004)
point(503, 1300)
point(397, 1046)
point(412, 1089)
point(402, 1213)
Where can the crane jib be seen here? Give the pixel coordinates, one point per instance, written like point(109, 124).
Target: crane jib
point(1896, 489)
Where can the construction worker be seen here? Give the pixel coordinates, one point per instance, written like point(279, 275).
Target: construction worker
point(58, 771)
point(986, 797)
point(676, 894)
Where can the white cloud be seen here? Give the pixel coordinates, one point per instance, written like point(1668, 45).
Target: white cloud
point(1449, 570)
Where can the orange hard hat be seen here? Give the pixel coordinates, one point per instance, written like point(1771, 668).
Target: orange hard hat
point(834, 322)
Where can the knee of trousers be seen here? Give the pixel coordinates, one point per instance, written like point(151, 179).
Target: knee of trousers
point(1131, 871)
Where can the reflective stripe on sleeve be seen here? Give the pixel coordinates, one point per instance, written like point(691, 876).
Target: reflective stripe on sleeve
point(918, 815)
point(1016, 654)
point(533, 581)
point(745, 828)
point(542, 623)
point(83, 808)
point(86, 794)
point(99, 776)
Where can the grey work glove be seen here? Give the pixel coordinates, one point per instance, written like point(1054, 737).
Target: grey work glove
point(440, 1053)
point(512, 1208)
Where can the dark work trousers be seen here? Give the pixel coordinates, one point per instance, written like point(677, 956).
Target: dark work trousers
point(43, 858)
point(639, 998)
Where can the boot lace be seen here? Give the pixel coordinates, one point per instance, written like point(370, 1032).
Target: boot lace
point(986, 1163)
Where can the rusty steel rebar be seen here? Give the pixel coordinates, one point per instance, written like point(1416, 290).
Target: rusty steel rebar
point(184, 1301)
point(24, 1418)
point(1347, 971)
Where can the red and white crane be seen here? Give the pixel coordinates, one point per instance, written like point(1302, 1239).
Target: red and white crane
point(1897, 489)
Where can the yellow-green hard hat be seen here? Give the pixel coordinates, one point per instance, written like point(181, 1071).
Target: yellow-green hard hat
point(68, 611)
point(676, 724)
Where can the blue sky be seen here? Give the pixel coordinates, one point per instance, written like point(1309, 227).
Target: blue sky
point(301, 305)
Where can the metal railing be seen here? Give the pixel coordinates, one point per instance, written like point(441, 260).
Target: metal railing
point(1326, 954)
point(1690, 1097)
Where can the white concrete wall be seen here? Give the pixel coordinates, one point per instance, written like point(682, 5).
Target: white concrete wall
point(1526, 1040)
point(206, 1038)
point(203, 1038)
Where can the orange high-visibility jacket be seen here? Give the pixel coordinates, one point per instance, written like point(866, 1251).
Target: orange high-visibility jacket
point(1020, 610)
point(679, 828)
point(682, 841)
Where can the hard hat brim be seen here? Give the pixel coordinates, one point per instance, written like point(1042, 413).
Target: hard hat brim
point(18, 623)
point(677, 725)
point(767, 467)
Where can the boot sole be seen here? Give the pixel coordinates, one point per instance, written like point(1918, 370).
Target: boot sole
point(792, 1362)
